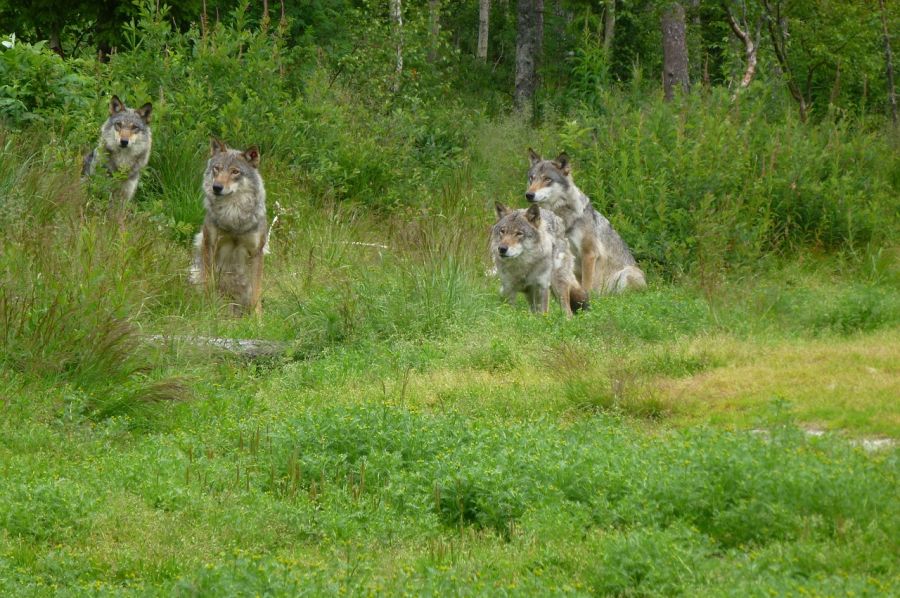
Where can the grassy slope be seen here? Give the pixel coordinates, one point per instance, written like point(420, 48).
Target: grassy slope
point(426, 438)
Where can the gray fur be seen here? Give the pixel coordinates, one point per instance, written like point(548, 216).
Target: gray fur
point(590, 234)
point(532, 256)
point(231, 244)
point(131, 127)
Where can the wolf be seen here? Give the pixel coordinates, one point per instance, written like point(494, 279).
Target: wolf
point(229, 248)
point(124, 146)
point(531, 255)
point(603, 261)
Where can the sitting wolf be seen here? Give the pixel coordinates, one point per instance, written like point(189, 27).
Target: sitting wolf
point(124, 145)
point(603, 261)
point(231, 244)
point(531, 255)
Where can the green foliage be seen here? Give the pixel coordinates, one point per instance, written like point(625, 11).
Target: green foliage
point(37, 85)
point(419, 436)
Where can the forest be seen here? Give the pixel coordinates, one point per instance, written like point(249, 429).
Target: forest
point(387, 424)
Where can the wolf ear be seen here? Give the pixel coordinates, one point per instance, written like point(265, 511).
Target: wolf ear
point(144, 112)
point(533, 215)
point(502, 210)
point(251, 155)
point(115, 105)
point(533, 156)
point(216, 146)
point(562, 161)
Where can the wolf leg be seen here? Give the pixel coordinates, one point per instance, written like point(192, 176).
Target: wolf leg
point(588, 264)
point(128, 189)
point(540, 299)
point(207, 255)
point(565, 300)
point(256, 272)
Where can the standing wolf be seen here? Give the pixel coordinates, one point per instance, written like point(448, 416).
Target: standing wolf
point(532, 256)
point(231, 243)
point(124, 145)
point(603, 261)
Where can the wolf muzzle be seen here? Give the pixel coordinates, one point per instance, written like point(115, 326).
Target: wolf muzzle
point(529, 196)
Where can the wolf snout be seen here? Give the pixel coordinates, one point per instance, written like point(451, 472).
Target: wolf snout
point(502, 250)
point(217, 189)
point(529, 196)
point(123, 142)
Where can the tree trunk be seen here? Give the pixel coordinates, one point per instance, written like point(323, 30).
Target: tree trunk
point(397, 20)
point(484, 20)
point(54, 42)
point(776, 30)
point(609, 27)
point(528, 43)
point(675, 55)
point(889, 66)
point(751, 48)
point(434, 29)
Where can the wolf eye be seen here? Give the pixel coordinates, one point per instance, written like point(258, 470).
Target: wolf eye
point(118, 126)
point(520, 234)
point(546, 179)
point(235, 172)
point(216, 169)
point(502, 231)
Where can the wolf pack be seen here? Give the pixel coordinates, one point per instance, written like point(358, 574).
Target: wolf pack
point(560, 244)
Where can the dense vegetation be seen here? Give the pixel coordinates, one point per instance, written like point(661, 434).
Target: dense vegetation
point(417, 436)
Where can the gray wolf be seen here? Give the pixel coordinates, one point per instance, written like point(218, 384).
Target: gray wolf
point(603, 261)
point(124, 145)
point(231, 244)
point(531, 256)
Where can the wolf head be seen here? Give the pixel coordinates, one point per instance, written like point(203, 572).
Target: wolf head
point(230, 170)
point(516, 231)
point(548, 180)
point(127, 128)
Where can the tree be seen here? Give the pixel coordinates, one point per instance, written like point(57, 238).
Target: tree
point(777, 27)
point(741, 29)
point(889, 65)
point(609, 26)
point(434, 28)
point(484, 18)
point(675, 54)
point(397, 20)
point(529, 39)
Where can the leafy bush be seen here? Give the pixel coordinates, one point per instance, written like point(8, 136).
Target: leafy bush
point(38, 85)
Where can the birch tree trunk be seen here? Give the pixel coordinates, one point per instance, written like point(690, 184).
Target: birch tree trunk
point(484, 21)
point(751, 47)
point(397, 20)
point(675, 54)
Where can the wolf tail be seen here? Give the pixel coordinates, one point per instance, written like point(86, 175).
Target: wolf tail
point(629, 278)
point(578, 299)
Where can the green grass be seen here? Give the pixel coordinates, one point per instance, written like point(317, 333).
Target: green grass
point(419, 436)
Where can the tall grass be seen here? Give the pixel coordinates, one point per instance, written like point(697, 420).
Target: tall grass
point(74, 285)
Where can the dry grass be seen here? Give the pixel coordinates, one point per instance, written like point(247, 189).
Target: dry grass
point(833, 383)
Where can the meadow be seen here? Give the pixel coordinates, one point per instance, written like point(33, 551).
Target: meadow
point(413, 435)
